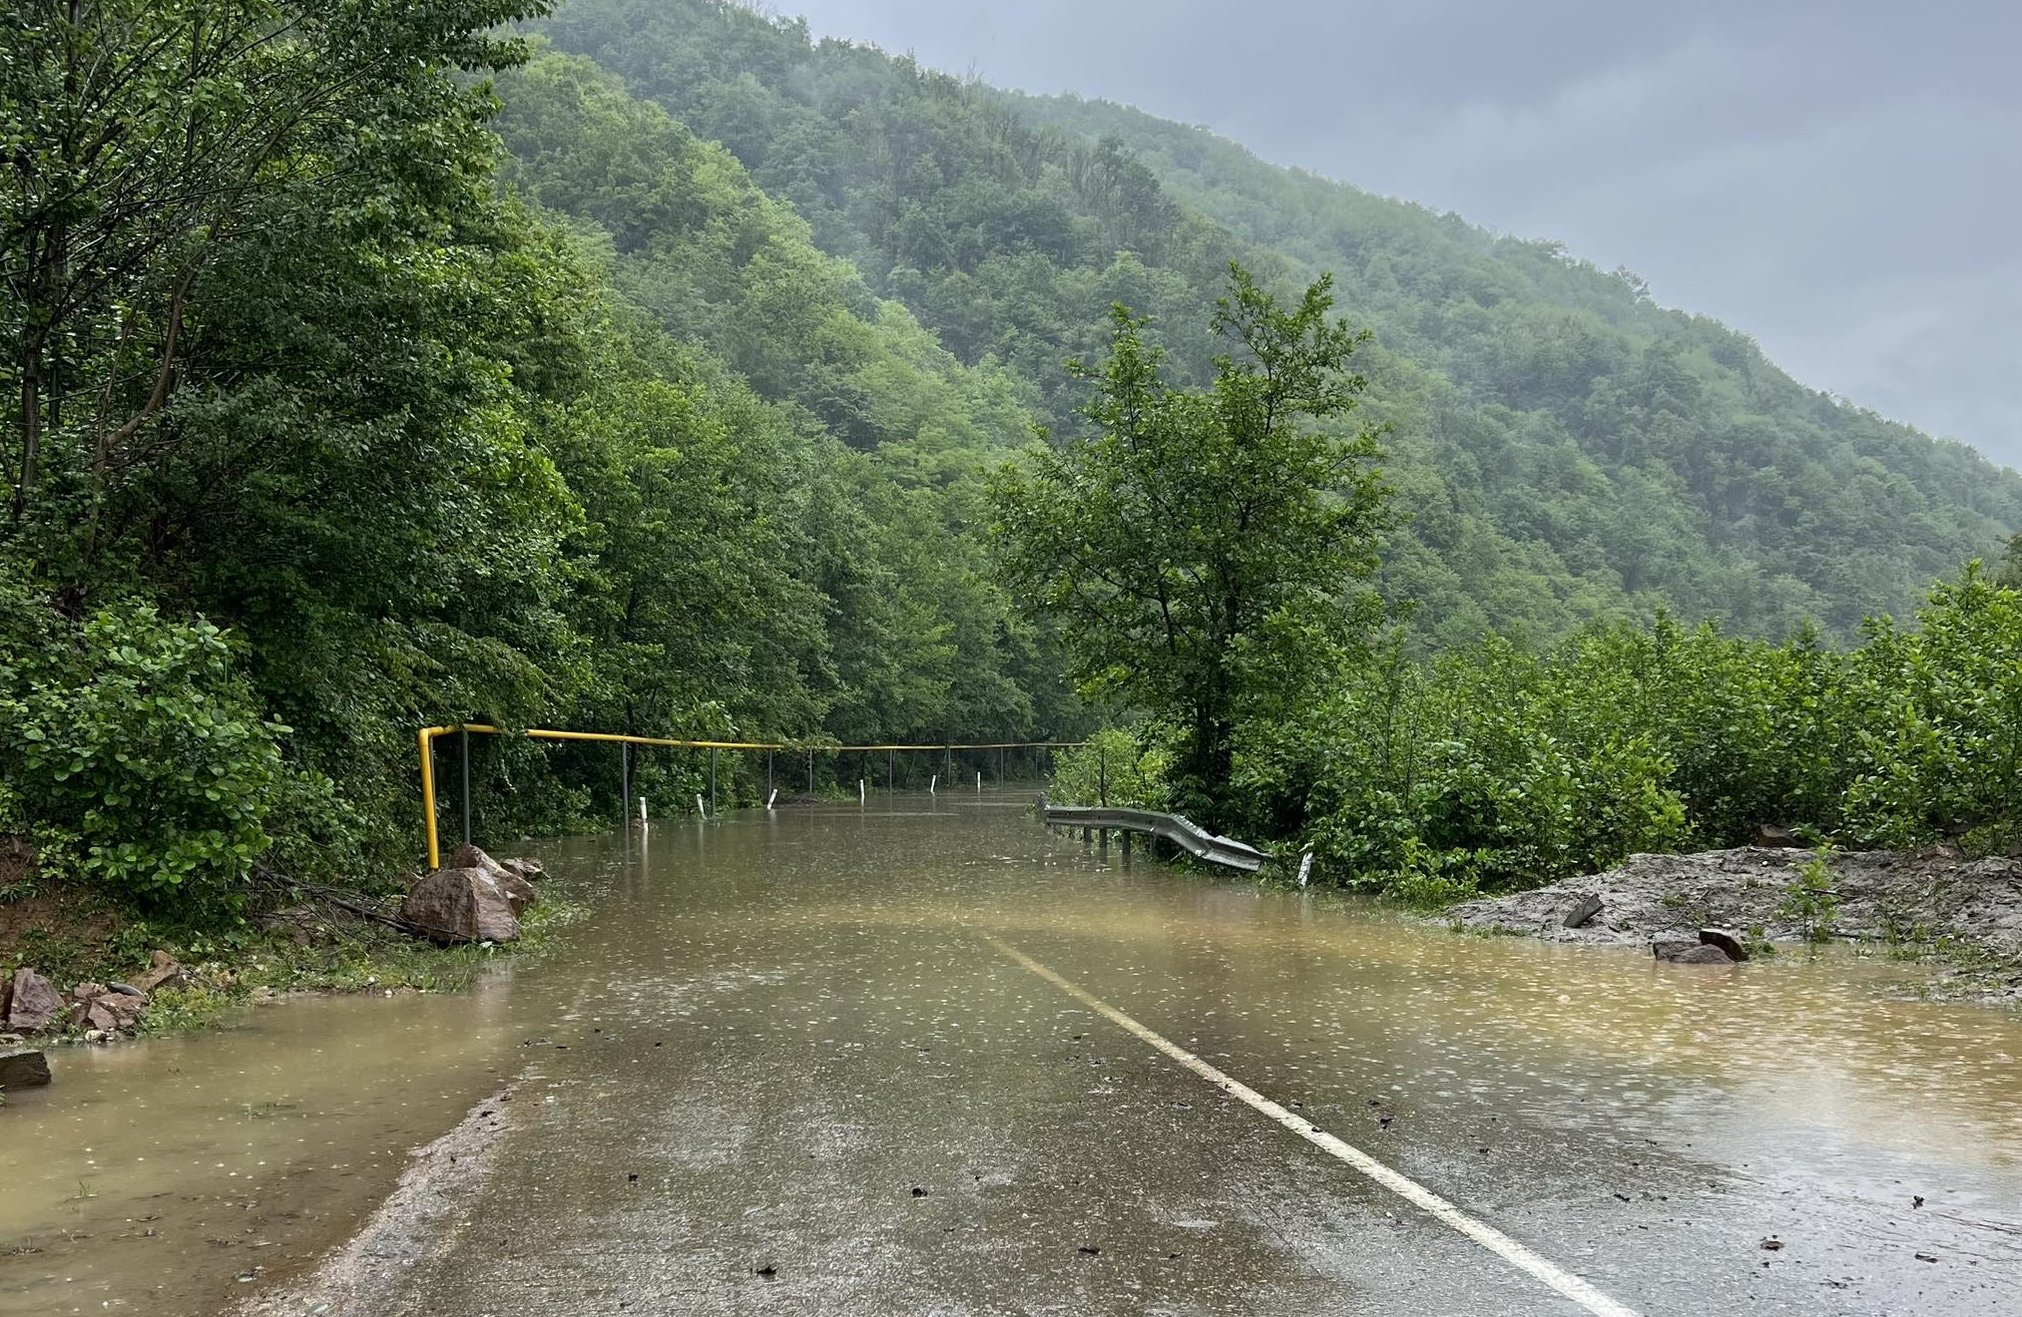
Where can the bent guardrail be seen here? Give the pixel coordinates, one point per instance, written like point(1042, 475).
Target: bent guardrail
point(1181, 832)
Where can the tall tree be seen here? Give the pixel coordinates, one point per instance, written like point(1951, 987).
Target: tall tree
point(144, 140)
point(1200, 548)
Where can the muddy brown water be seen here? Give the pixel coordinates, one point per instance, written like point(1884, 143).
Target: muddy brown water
point(792, 1020)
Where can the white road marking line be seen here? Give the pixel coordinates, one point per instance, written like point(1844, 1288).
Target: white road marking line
point(1495, 1241)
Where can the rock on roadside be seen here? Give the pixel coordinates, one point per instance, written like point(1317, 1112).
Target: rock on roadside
point(108, 1009)
point(510, 875)
point(1696, 953)
point(461, 905)
point(22, 1067)
point(526, 866)
point(1727, 940)
point(34, 1004)
point(163, 971)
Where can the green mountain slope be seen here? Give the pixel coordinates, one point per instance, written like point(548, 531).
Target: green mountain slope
point(1862, 510)
point(1562, 447)
point(708, 258)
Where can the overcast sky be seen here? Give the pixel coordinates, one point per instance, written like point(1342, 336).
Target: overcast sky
point(1839, 179)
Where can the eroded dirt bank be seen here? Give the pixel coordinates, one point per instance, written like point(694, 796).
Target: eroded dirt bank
point(1968, 912)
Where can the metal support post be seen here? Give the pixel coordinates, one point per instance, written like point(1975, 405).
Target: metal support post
point(463, 738)
point(712, 782)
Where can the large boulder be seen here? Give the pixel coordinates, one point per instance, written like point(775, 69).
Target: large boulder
point(461, 905)
point(507, 874)
point(22, 1067)
point(35, 1004)
point(524, 866)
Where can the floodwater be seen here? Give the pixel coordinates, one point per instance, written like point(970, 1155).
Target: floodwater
point(786, 1066)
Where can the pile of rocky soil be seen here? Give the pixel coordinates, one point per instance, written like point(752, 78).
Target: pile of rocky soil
point(31, 1004)
point(1933, 897)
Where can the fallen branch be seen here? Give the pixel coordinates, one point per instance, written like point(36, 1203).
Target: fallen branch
point(351, 902)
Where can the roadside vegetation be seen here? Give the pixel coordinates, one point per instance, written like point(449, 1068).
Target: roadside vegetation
point(1500, 765)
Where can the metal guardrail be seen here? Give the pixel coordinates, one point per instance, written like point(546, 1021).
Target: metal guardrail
point(1181, 832)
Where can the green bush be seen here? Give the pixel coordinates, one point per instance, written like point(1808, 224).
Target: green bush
point(1810, 901)
point(139, 760)
point(1515, 768)
point(1489, 768)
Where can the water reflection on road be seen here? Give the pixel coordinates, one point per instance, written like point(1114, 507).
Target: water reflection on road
point(784, 1024)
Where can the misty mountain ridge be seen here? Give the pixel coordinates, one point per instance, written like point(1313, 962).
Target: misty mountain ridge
point(1563, 447)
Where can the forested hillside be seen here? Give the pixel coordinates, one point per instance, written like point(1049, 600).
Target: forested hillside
point(325, 429)
point(1562, 447)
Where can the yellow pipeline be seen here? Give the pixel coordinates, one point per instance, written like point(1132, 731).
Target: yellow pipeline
point(427, 737)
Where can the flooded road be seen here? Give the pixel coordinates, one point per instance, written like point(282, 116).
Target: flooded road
point(823, 1061)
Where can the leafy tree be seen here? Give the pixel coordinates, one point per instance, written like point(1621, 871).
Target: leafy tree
point(372, 442)
point(1198, 546)
point(143, 142)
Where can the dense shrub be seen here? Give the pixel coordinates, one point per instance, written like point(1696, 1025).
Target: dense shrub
point(138, 759)
point(1496, 767)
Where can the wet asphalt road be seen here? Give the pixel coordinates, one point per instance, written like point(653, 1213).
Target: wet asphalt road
point(786, 1071)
